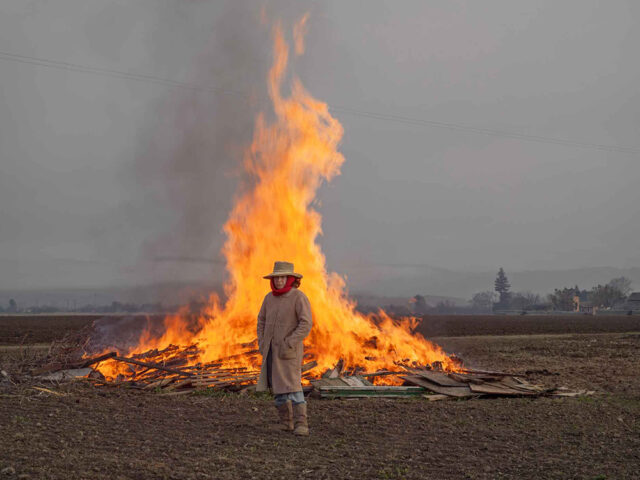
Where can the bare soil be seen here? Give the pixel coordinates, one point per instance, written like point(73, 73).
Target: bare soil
point(29, 329)
point(84, 432)
point(465, 325)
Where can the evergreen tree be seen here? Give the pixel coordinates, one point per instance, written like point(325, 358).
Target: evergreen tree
point(502, 286)
point(13, 306)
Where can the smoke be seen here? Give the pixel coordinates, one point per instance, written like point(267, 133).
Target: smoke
point(186, 170)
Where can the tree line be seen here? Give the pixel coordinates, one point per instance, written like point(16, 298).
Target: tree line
point(501, 298)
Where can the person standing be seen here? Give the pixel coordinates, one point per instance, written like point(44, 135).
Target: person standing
point(284, 322)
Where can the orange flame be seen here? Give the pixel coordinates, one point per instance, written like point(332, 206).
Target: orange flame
point(288, 160)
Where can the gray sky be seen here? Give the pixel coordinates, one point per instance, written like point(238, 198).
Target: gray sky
point(102, 172)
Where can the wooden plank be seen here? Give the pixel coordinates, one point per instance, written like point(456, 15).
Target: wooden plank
point(90, 361)
point(379, 374)
point(375, 391)
point(497, 389)
point(363, 380)
point(327, 382)
point(459, 377)
point(224, 382)
point(336, 371)
point(474, 378)
point(353, 381)
point(152, 365)
point(177, 385)
point(459, 392)
point(439, 378)
point(309, 366)
point(356, 395)
point(519, 384)
point(371, 388)
point(485, 372)
point(437, 397)
point(181, 392)
point(160, 383)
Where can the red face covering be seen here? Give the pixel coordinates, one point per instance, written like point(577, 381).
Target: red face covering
point(287, 286)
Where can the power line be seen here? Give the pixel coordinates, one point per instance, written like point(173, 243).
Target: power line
point(74, 67)
point(348, 110)
point(487, 131)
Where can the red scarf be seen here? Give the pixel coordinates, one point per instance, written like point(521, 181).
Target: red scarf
point(287, 286)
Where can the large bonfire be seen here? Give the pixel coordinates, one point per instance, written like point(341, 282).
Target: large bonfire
point(291, 155)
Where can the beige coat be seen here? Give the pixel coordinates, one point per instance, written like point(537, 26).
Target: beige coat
point(283, 323)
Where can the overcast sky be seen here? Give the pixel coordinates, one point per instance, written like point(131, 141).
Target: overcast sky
point(106, 168)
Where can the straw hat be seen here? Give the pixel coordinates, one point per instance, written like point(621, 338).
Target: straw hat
point(282, 269)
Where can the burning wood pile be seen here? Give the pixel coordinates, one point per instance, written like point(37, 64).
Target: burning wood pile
point(175, 371)
point(172, 369)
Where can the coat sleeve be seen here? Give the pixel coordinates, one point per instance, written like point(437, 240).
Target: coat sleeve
point(262, 315)
point(305, 322)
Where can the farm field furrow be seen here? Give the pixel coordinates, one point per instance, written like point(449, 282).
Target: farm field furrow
point(88, 432)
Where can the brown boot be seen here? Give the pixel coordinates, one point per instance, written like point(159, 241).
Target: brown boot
point(300, 419)
point(285, 414)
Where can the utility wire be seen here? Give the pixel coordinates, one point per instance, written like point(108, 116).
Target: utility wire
point(348, 110)
point(487, 131)
point(74, 67)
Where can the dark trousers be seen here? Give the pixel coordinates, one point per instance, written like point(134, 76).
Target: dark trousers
point(269, 368)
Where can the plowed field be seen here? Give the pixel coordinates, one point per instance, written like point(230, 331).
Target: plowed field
point(83, 432)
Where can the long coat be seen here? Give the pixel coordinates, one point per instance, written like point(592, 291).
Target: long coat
point(283, 323)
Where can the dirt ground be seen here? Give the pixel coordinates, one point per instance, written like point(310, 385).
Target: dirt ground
point(83, 432)
point(30, 329)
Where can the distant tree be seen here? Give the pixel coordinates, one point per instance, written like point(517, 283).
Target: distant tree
point(525, 300)
point(605, 295)
point(13, 306)
point(446, 306)
point(420, 305)
point(622, 285)
point(564, 299)
point(502, 286)
point(483, 301)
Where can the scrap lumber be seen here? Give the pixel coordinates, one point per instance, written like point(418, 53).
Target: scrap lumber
point(329, 382)
point(336, 371)
point(180, 392)
point(519, 384)
point(368, 391)
point(363, 380)
point(458, 392)
point(309, 366)
point(353, 381)
point(439, 378)
point(495, 388)
point(177, 385)
point(159, 384)
point(226, 382)
point(152, 365)
point(436, 397)
point(91, 361)
point(70, 374)
point(378, 374)
point(485, 372)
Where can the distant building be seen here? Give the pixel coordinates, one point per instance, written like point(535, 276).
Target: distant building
point(582, 305)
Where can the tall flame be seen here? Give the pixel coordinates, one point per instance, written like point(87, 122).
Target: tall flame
point(289, 159)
